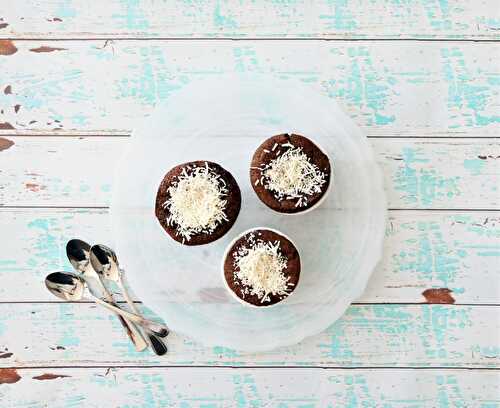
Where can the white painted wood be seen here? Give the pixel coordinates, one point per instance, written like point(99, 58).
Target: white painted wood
point(243, 387)
point(217, 19)
point(419, 173)
point(65, 334)
point(423, 250)
point(389, 88)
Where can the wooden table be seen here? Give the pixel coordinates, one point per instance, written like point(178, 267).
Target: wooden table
point(422, 79)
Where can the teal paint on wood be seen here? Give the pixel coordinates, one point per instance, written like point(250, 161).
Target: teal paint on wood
point(421, 183)
point(371, 91)
point(69, 337)
point(132, 16)
point(211, 387)
point(222, 20)
point(462, 92)
point(394, 324)
point(474, 166)
point(438, 12)
point(340, 16)
point(448, 19)
point(363, 86)
point(65, 9)
point(374, 85)
point(420, 173)
point(433, 257)
point(424, 250)
point(48, 246)
point(368, 335)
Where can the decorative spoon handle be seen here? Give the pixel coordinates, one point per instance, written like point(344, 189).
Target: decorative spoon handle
point(157, 328)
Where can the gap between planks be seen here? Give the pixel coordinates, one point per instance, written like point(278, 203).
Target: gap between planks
point(89, 302)
point(229, 38)
point(255, 367)
point(127, 134)
point(76, 207)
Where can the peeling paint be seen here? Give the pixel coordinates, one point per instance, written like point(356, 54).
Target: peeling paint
point(7, 47)
point(17, 107)
point(49, 376)
point(9, 376)
point(6, 126)
point(6, 355)
point(441, 295)
point(47, 49)
point(5, 143)
point(3, 25)
point(7, 90)
point(34, 187)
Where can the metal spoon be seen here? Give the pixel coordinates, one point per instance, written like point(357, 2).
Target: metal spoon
point(105, 263)
point(69, 286)
point(78, 254)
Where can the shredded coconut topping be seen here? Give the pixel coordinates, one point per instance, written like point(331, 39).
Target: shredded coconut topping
point(292, 175)
point(260, 266)
point(196, 204)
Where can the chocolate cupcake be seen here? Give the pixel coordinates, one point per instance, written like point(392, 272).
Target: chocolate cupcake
point(261, 267)
point(290, 174)
point(197, 202)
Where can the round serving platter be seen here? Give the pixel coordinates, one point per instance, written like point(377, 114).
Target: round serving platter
point(224, 120)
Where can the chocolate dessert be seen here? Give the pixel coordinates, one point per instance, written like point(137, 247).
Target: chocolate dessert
point(261, 267)
point(289, 173)
point(197, 202)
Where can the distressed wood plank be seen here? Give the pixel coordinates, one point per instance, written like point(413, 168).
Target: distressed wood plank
point(243, 387)
point(422, 89)
point(425, 253)
point(428, 253)
point(223, 19)
point(419, 173)
point(61, 334)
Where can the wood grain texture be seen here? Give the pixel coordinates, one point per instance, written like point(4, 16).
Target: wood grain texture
point(244, 19)
point(243, 387)
point(419, 173)
point(389, 88)
point(424, 250)
point(64, 334)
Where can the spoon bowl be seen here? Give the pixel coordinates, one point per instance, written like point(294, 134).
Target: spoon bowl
point(68, 286)
point(65, 285)
point(78, 254)
point(105, 262)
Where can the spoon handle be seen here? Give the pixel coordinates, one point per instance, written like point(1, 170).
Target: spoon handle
point(157, 328)
point(157, 344)
point(133, 332)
